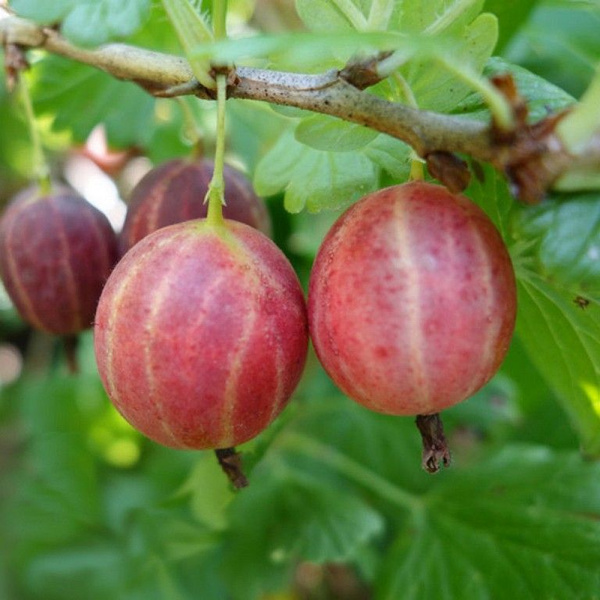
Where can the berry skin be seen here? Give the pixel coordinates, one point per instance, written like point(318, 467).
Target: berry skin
point(56, 253)
point(174, 192)
point(412, 300)
point(201, 334)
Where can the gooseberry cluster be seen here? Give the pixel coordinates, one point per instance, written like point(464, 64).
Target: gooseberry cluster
point(201, 328)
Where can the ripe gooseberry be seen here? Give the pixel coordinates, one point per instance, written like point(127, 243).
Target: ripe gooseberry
point(201, 334)
point(56, 253)
point(174, 192)
point(412, 300)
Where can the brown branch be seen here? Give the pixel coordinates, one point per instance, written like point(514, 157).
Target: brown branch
point(336, 93)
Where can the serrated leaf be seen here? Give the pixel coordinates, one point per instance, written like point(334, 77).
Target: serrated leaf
point(325, 15)
point(565, 237)
point(323, 132)
point(563, 341)
point(87, 22)
point(522, 525)
point(66, 89)
point(313, 179)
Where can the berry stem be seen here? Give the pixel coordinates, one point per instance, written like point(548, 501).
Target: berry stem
point(231, 463)
point(40, 166)
point(435, 446)
point(216, 189)
point(70, 343)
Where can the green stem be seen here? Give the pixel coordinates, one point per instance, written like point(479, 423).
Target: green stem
point(40, 166)
point(216, 189)
point(352, 470)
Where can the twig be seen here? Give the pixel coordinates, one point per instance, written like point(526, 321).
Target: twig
point(518, 153)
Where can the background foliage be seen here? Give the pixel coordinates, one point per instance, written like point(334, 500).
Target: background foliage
point(338, 505)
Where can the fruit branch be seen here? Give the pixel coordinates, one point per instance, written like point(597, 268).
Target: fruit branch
point(532, 156)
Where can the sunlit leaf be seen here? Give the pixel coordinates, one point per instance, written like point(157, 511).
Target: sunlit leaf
point(563, 341)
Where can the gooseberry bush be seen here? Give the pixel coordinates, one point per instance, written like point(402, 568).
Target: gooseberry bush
point(192, 189)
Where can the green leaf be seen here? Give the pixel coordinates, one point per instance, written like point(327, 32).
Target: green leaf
point(435, 16)
point(326, 15)
point(492, 194)
point(60, 501)
point(511, 16)
point(561, 43)
point(390, 154)
point(323, 132)
point(542, 96)
point(43, 12)
point(438, 87)
point(524, 524)
point(312, 178)
point(87, 22)
point(301, 51)
point(94, 569)
point(294, 516)
point(565, 241)
point(563, 341)
point(79, 97)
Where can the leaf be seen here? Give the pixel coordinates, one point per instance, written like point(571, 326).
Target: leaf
point(43, 12)
point(511, 16)
point(325, 15)
point(294, 516)
point(323, 132)
point(560, 43)
point(524, 524)
point(390, 154)
point(491, 193)
point(312, 178)
point(437, 87)
point(87, 22)
point(94, 569)
point(435, 16)
point(563, 341)
point(542, 96)
point(301, 51)
point(79, 97)
point(565, 237)
point(60, 500)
